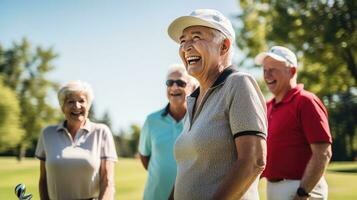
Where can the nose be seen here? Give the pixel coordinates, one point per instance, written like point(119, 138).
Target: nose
point(175, 86)
point(77, 104)
point(187, 46)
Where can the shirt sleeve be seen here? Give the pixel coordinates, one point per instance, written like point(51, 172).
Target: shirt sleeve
point(314, 121)
point(40, 148)
point(108, 151)
point(247, 107)
point(145, 140)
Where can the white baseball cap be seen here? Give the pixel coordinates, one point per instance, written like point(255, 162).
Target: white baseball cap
point(278, 53)
point(202, 17)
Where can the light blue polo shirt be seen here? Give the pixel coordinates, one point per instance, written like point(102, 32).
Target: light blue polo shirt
point(157, 140)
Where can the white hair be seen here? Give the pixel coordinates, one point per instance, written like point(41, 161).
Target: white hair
point(180, 68)
point(176, 68)
point(75, 86)
point(220, 37)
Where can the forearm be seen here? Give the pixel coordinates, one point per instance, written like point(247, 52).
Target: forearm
point(314, 171)
point(107, 190)
point(43, 189)
point(107, 185)
point(42, 185)
point(238, 180)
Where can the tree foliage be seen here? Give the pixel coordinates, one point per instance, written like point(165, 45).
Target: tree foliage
point(343, 118)
point(10, 127)
point(323, 35)
point(24, 107)
point(127, 141)
point(25, 72)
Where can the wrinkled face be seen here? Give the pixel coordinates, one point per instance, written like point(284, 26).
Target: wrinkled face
point(199, 50)
point(76, 107)
point(277, 76)
point(177, 94)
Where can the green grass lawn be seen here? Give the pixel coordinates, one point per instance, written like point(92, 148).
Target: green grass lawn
point(130, 179)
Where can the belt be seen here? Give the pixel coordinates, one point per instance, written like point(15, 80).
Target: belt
point(275, 180)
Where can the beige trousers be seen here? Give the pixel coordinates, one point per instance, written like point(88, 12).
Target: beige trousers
point(286, 190)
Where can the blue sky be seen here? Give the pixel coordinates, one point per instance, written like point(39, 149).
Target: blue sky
point(120, 47)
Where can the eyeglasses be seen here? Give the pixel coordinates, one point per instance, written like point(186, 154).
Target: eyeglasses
point(179, 83)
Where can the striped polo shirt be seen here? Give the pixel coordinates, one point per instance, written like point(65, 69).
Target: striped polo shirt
point(206, 151)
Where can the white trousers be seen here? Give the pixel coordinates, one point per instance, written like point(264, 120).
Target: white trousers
point(286, 190)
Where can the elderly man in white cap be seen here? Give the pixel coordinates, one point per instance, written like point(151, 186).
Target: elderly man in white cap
point(299, 139)
point(222, 149)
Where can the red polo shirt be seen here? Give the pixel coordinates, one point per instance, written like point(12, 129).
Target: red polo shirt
point(299, 120)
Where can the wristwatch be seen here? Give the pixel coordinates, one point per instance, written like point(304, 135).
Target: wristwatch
point(302, 193)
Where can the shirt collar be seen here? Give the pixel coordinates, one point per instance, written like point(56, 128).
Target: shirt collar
point(166, 110)
point(87, 126)
point(220, 80)
point(291, 94)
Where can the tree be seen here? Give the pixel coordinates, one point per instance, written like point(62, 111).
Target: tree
point(105, 119)
point(122, 144)
point(127, 141)
point(10, 127)
point(323, 34)
point(343, 120)
point(24, 71)
point(135, 136)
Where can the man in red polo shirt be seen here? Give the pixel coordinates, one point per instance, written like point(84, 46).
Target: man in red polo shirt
point(299, 139)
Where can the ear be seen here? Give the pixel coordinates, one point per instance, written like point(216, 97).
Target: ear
point(225, 46)
point(293, 71)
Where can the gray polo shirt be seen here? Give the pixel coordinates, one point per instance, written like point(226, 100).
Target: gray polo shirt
point(72, 166)
point(206, 151)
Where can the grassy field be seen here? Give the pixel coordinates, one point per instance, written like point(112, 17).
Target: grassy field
point(130, 179)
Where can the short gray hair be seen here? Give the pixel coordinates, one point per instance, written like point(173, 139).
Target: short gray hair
point(219, 36)
point(180, 68)
point(75, 86)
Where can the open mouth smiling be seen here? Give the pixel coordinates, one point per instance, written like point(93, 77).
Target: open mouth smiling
point(175, 94)
point(193, 59)
point(270, 82)
point(77, 113)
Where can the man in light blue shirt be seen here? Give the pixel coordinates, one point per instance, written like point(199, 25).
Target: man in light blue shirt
point(159, 134)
